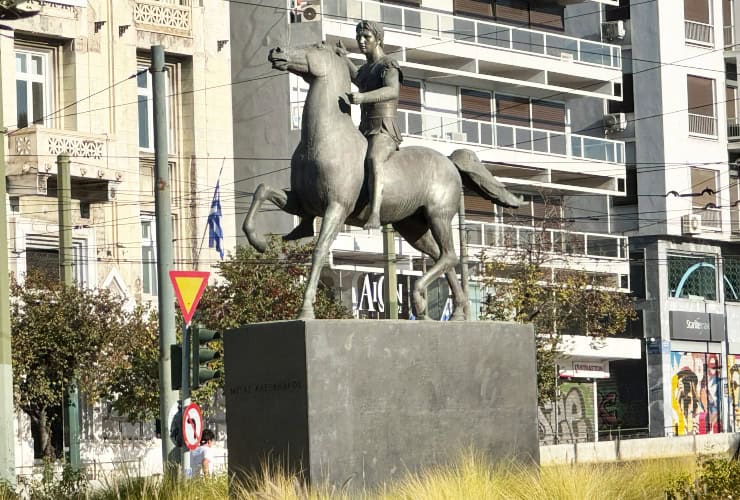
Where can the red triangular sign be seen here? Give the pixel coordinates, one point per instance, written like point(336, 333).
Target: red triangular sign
point(189, 286)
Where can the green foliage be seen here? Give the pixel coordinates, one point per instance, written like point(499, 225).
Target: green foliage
point(59, 332)
point(555, 302)
point(718, 478)
point(70, 484)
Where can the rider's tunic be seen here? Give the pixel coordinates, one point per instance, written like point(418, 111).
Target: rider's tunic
point(378, 117)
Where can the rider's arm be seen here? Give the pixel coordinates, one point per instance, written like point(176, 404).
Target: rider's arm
point(339, 48)
point(390, 90)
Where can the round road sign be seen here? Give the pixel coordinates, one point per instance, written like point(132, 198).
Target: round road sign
point(192, 426)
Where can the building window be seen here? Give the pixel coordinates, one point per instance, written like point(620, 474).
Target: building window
point(42, 256)
point(629, 186)
point(33, 87)
point(698, 24)
point(734, 204)
point(637, 272)
point(702, 117)
point(145, 99)
point(692, 277)
point(298, 94)
point(149, 255)
point(704, 199)
point(731, 266)
point(627, 105)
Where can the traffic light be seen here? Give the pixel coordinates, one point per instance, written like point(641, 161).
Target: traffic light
point(202, 355)
point(176, 366)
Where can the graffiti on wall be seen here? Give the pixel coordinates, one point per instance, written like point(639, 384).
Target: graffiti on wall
point(571, 419)
point(695, 385)
point(733, 388)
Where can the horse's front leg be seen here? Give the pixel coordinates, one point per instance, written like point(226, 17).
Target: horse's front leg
point(283, 199)
point(331, 223)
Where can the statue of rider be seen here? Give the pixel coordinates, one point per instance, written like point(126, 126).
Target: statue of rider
point(379, 83)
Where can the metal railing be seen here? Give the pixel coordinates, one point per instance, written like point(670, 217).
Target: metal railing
point(449, 127)
point(482, 33)
point(702, 125)
point(733, 128)
point(711, 218)
point(728, 33)
point(699, 33)
point(557, 241)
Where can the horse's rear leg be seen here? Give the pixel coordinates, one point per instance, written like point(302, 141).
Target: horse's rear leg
point(330, 225)
point(283, 199)
point(415, 232)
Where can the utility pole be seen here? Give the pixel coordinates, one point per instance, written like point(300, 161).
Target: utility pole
point(71, 394)
point(391, 283)
point(165, 293)
point(7, 434)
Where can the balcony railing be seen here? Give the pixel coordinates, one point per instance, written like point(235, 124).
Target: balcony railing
point(702, 125)
point(471, 31)
point(449, 127)
point(729, 36)
point(557, 241)
point(168, 16)
point(699, 33)
point(733, 128)
point(711, 218)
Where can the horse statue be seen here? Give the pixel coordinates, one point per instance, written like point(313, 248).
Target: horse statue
point(327, 179)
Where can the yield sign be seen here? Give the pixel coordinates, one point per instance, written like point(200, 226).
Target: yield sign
point(189, 286)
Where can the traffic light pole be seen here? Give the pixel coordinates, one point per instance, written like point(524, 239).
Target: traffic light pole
point(166, 295)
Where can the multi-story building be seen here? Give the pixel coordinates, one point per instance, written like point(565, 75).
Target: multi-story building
point(82, 86)
point(681, 208)
point(526, 85)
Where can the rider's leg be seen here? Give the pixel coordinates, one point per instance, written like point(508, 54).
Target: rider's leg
point(379, 148)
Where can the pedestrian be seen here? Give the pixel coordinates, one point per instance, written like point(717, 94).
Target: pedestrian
point(201, 459)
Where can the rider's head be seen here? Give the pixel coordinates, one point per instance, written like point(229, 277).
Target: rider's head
point(375, 28)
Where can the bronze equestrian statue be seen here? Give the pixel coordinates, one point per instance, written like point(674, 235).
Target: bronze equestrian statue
point(421, 188)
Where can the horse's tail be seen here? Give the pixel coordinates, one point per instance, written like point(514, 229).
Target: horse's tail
point(476, 177)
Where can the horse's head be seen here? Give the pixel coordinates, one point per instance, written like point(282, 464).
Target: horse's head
point(315, 60)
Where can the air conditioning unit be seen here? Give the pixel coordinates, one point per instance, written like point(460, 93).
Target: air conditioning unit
point(457, 136)
point(615, 122)
point(691, 224)
point(311, 12)
point(613, 30)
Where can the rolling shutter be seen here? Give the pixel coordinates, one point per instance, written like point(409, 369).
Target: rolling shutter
point(548, 115)
point(701, 179)
point(696, 10)
point(550, 18)
point(512, 12)
point(410, 95)
point(700, 95)
point(511, 110)
point(475, 104)
point(478, 208)
point(476, 8)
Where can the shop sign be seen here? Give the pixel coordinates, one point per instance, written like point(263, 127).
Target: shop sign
point(699, 326)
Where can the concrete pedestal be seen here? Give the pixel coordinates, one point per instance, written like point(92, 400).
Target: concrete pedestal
point(371, 400)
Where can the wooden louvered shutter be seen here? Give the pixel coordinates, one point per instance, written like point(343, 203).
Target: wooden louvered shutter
point(478, 208)
point(511, 110)
point(475, 8)
point(700, 95)
point(550, 18)
point(548, 115)
point(512, 12)
point(410, 95)
point(475, 104)
point(696, 10)
point(701, 179)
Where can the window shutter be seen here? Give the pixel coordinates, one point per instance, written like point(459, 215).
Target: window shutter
point(703, 178)
point(512, 11)
point(478, 208)
point(730, 101)
point(547, 17)
point(410, 95)
point(548, 115)
point(511, 110)
point(475, 104)
point(726, 13)
point(696, 10)
point(477, 8)
point(700, 95)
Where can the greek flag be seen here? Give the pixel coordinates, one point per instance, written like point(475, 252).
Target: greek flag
point(215, 233)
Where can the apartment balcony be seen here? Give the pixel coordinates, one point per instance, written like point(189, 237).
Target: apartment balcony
point(697, 33)
point(733, 129)
point(32, 164)
point(465, 50)
point(601, 160)
point(172, 17)
point(702, 125)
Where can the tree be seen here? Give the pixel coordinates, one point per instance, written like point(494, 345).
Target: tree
point(527, 287)
point(57, 332)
